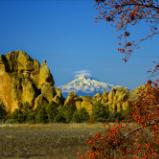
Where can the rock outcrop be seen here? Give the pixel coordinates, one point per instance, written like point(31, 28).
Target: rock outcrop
point(25, 80)
point(117, 100)
point(79, 102)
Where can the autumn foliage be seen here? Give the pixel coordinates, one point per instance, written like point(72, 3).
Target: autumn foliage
point(125, 13)
point(138, 142)
point(122, 141)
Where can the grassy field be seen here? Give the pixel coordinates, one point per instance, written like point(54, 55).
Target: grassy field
point(50, 141)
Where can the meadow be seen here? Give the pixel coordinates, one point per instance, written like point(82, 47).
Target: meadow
point(45, 141)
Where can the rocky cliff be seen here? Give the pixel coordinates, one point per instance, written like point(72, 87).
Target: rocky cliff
point(25, 80)
point(79, 102)
point(116, 100)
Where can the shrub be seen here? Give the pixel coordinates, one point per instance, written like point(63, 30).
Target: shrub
point(3, 112)
point(60, 117)
point(80, 115)
point(65, 113)
point(68, 111)
point(30, 118)
point(52, 111)
point(28, 113)
point(100, 112)
point(23, 114)
point(117, 141)
point(41, 115)
point(16, 117)
point(116, 116)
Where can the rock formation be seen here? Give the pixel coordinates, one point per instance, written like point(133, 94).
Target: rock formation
point(117, 100)
point(79, 102)
point(25, 80)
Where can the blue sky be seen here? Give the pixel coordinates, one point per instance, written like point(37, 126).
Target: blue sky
point(64, 33)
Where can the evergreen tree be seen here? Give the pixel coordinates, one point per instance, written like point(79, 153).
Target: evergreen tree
point(16, 117)
point(30, 118)
point(60, 117)
point(3, 112)
point(80, 116)
point(65, 113)
point(41, 115)
point(117, 116)
point(52, 111)
point(100, 113)
point(68, 112)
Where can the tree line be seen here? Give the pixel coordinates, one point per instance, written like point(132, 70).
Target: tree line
point(50, 113)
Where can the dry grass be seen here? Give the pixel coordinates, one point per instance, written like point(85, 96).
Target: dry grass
point(49, 141)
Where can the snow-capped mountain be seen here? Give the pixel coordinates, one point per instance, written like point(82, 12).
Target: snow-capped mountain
point(84, 84)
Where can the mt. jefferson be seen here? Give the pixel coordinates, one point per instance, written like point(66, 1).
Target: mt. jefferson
point(85, 84)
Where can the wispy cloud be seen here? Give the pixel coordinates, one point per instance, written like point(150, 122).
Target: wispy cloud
point(83, 73)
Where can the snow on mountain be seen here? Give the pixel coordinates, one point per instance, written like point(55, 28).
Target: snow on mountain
point(85, 84)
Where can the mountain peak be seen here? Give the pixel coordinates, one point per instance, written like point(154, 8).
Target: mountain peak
point(84, 84)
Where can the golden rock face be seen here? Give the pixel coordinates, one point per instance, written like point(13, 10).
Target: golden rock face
point(117, 100)
point(25, 80)
point(7, 95)
point(79, 102)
